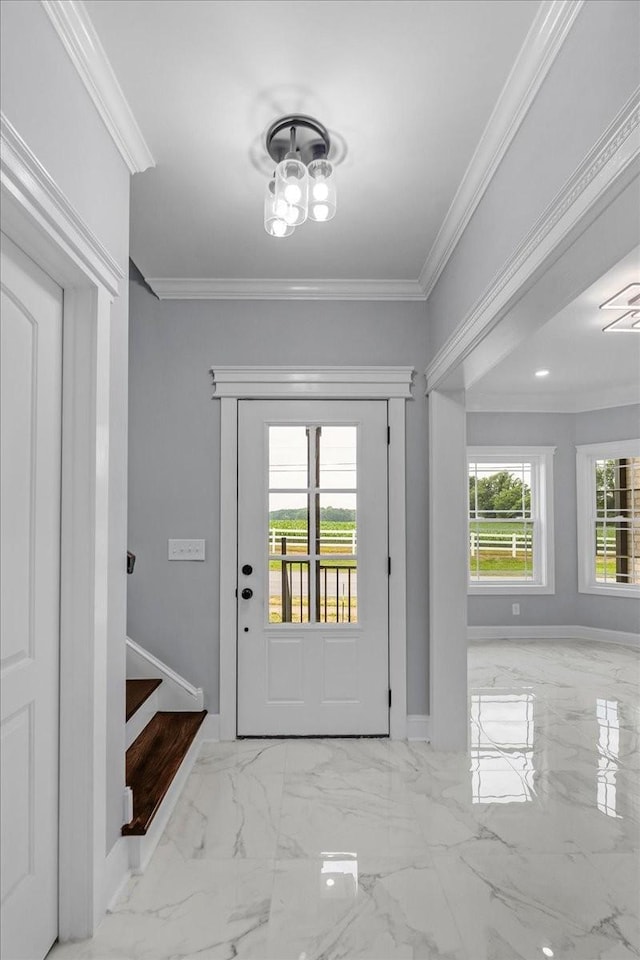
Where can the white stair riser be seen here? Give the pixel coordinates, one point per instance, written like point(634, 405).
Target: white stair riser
point(136, 724)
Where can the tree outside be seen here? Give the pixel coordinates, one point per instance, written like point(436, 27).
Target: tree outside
point(499, 495)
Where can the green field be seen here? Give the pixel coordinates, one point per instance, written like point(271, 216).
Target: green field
point(499, 563)
point(299, 527)
point(496, 563)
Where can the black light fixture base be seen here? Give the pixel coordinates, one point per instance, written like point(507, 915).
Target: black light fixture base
point(311, 138)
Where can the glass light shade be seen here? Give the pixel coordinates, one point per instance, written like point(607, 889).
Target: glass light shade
point(276, 222)
point(292, 189)
point(322, 190)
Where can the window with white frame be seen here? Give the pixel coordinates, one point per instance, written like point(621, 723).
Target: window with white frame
point(608, 500)
point(510, 520)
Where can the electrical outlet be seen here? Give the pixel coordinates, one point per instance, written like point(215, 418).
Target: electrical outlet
point(186, 549)
point(515, 609)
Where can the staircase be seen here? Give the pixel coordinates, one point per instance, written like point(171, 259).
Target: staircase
point(161, 750)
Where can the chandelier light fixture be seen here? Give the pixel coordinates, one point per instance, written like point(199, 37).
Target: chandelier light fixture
point(303, 183)
point(628, 300)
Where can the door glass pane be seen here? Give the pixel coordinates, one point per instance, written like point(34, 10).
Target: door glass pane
point(336, 526)
point(288, 458)
point(337, 586)
point(288, 523)
point(288, 591)
point(337, 457)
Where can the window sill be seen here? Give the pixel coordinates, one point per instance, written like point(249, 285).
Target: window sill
point(610, 591)
point(508, 589)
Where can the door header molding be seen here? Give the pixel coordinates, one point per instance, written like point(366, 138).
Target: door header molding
point(381, 383)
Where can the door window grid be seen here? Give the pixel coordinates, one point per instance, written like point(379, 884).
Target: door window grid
point(333, 598)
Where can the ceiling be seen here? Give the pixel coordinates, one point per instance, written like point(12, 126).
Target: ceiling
point(587, 368)
point(406, 88)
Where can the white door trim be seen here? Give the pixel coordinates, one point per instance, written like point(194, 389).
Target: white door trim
point(41, 221)
point(286, 383)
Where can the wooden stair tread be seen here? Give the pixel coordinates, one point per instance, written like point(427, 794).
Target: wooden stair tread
point(153, 761)
point(137, 692)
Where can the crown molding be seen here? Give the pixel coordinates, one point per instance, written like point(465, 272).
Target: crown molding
point(542, 44)
point(25, 181)
point(616, 395)
point(312, 382)
point(74, 27)
point(192, 288)
point(615, 158)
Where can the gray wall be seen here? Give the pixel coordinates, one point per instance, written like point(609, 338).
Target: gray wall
point(174, 441)
point(563, 430)
point(45, 100)
point(593, 76)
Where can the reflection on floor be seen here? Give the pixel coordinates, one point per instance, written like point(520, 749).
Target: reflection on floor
point(525, 847)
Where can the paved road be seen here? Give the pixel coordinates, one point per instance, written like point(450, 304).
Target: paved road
point(275, 583)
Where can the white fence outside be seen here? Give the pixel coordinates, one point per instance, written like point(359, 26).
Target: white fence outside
point(512, 543)
point(515, 543)
point(329, 538)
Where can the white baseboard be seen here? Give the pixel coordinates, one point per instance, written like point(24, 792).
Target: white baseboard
point(116, 875)
point(509, 632)
point(608, 636)
point(418, 727)
point(210, 729)
point(558, 632)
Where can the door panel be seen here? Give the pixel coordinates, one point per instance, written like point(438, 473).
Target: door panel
point(30, 443)
point(312, 525)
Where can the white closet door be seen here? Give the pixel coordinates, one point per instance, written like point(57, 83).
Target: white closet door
point(30, 446)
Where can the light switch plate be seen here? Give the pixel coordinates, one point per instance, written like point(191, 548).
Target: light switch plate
point(186, 550)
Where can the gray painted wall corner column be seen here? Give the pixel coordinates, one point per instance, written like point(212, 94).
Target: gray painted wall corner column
point(447, 567)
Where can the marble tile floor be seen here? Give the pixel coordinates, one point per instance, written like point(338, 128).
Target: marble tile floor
point(523, 848)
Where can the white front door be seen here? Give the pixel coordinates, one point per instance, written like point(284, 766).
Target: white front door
point(30, 444)
point(313, 648)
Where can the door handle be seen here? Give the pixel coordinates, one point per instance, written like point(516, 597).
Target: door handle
point(247, 593)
